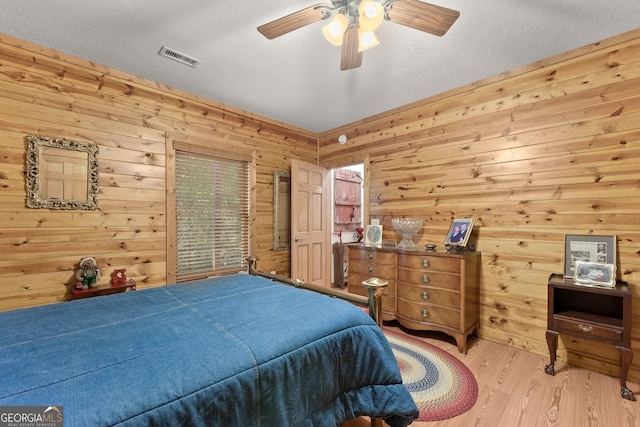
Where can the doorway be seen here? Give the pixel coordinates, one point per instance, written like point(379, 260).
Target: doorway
point(347, 195)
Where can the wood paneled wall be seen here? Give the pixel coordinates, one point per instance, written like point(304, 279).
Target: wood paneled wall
point(531, 154)
point(53, 94)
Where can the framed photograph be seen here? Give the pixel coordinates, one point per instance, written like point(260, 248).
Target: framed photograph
point(459, 232)
point(587, 248)
point(373, 235)
point(595, 274)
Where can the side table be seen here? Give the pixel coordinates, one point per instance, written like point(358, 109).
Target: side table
point(102, 290)
point(594, 313)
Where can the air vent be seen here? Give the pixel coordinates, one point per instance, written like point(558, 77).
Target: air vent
point(179, 57)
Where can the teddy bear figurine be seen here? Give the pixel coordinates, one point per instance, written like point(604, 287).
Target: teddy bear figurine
point(88, 274)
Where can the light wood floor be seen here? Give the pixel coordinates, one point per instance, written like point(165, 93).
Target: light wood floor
point(515, 391)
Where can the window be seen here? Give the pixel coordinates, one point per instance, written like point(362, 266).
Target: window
point(212, 198)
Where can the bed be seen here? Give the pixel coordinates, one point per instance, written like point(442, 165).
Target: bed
point(236, 350)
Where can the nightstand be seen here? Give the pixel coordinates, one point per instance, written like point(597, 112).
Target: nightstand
point(593, 313)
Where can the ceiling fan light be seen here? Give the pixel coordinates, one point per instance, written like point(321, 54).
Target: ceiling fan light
point(334, 30)
point(366, 40)
point(370, 14)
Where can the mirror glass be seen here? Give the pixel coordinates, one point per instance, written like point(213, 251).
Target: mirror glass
point(281, 211)
point(61, 174)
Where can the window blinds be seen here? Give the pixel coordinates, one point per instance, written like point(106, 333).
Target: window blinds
point(212, 213)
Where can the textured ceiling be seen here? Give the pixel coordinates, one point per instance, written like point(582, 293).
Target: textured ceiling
point(296, 78)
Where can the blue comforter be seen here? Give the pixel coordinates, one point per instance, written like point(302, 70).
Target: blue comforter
point(229, 351)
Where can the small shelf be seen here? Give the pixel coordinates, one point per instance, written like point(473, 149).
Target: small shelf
point(101, 290)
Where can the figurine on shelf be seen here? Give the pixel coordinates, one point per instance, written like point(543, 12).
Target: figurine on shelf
point(118, 277)
point(88, 274)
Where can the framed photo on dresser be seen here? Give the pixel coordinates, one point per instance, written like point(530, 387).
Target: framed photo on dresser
point(595, 274)
point(459, 232)
point(588, 249)
point(373, 235)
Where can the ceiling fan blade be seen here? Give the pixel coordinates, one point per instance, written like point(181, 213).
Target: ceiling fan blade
point(350, 57)
point(295, 20)
point(422, 16)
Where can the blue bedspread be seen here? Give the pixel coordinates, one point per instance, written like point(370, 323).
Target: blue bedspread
point(236, 350)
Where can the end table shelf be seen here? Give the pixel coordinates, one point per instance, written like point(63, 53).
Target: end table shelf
point(593, 313)
point(102, 290)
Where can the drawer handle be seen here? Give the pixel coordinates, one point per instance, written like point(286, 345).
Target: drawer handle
point(425, 313)
point(370, 269)
point(425, 295)
point(425, 263)
point(370, 256)
point(585, 328)
point(425, 279)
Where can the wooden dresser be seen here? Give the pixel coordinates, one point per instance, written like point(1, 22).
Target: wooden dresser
point(438, 291)
point(427, 291)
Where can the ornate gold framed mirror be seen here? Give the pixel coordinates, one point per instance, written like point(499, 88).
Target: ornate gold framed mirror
point(281, 211)
point(61, 174)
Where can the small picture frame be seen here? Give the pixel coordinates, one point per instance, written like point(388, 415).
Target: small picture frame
point(595, 274)
point(587, 248)
point(459, 232)
point(373, 235)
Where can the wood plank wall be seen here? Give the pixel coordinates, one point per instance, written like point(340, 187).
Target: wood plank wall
point(531, 154)
point(53, 94)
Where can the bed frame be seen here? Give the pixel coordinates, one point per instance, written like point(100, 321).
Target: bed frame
point(375, 287)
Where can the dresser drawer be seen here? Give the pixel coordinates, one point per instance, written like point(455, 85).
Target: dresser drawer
point(440, 280)
point(426, 313)
point(380, 271)
point(440, 297)
point(591, 330)
point(431, 263)
point(373, 256)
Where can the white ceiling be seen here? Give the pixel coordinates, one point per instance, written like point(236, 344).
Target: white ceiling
point(296, 78)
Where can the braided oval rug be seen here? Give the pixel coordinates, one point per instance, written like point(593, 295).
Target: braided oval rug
point(440, 384)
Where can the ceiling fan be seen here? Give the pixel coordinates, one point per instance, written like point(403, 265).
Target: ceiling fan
point(353, 22)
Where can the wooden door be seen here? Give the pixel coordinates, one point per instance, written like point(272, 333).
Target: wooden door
point(310, 223)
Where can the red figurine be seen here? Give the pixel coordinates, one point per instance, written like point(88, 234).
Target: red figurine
point(118, 278)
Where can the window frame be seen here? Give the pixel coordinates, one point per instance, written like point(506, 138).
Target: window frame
point(207, 148)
